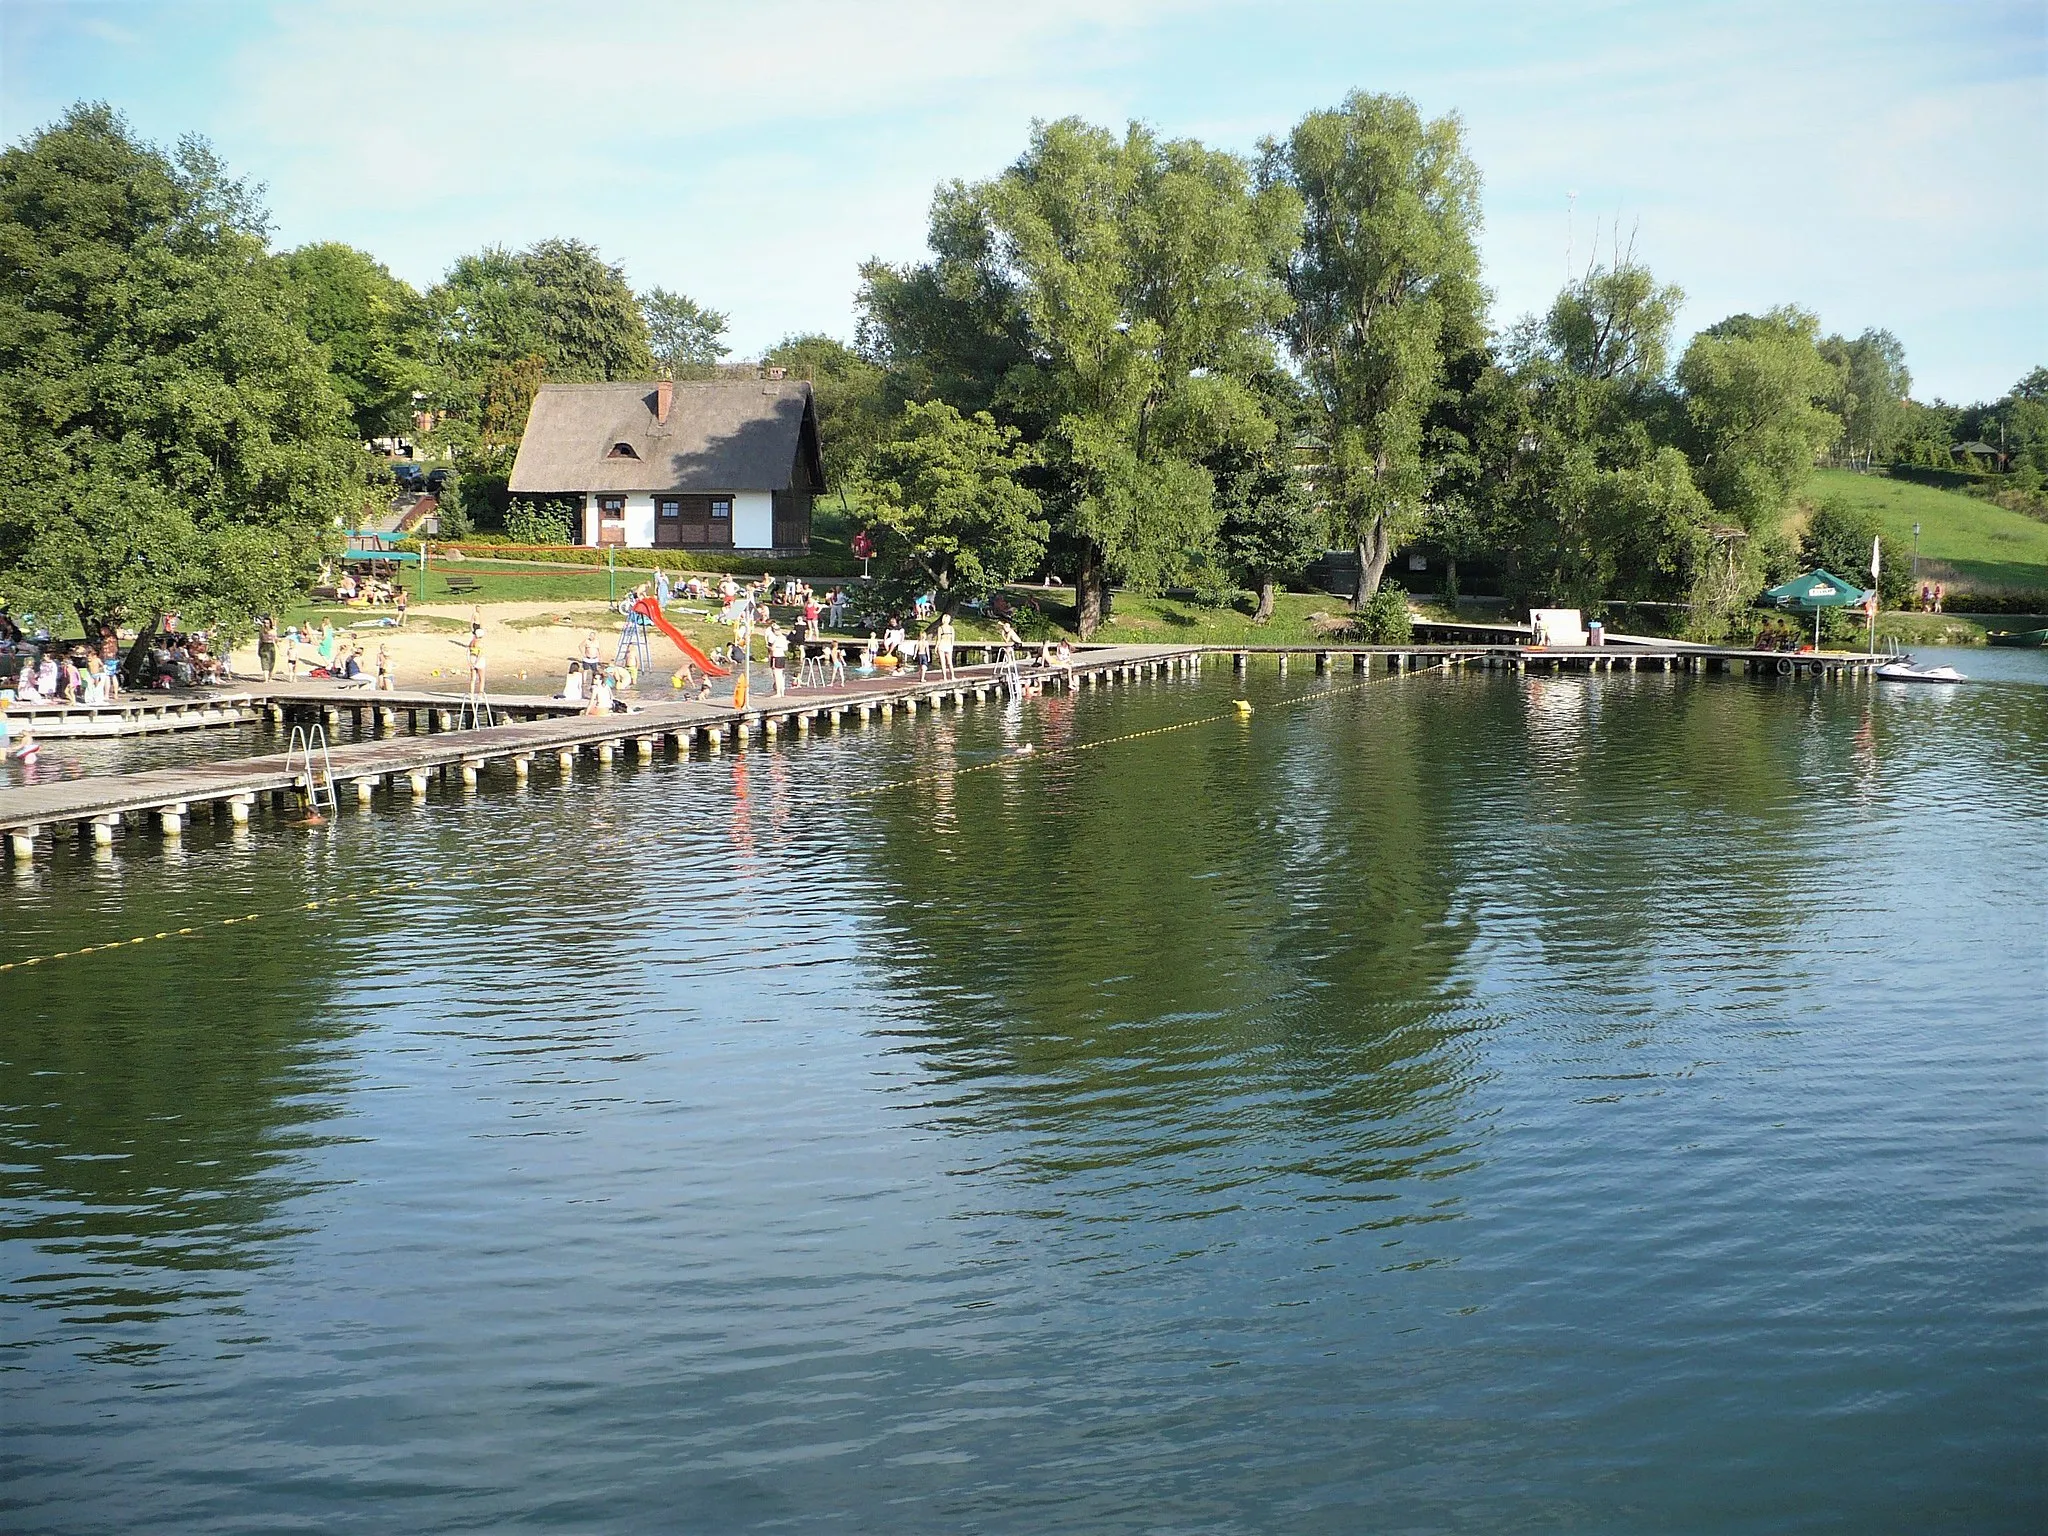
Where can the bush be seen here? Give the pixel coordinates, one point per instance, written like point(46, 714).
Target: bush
point(502, 548)
point(1384, 620)
point(540, 520)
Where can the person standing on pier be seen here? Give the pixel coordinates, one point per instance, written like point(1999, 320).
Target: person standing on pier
point(945, 645)
point(266, 646)
point(778, 657)
point(476, 650)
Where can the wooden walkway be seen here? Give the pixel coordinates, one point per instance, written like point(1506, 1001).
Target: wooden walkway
point(136, 714)
point(541, 730)
point(98, 808)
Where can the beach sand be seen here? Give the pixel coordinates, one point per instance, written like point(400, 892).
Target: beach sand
point(527, 646)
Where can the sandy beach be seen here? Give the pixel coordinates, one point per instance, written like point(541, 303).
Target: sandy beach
point(527, 646)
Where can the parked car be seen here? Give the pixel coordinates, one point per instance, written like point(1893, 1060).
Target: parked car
point(438, 480)
point(408, 475)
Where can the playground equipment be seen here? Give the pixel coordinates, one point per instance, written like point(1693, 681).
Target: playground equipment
point(646, 611)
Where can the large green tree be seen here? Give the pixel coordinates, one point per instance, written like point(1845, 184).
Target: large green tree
point(1869, 393)
point(169, 436)
point(373, 327)
point(1754, 387)
point(856, 406)
point(686, 337)
point(947, 507)
point(1125, 288)
point(504, 323)
point(1588, 496)
point(1386, 289)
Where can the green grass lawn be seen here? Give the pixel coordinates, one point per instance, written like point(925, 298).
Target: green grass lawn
point(1964, 542)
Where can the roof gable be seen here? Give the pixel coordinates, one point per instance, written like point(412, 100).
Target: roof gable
point(730, 435)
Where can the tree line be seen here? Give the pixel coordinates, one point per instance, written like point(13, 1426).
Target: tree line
point(1139, 361)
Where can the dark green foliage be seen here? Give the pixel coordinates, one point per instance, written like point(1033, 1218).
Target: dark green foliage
point(373, 326)
point(686, 338)
point(1383, 618)
point(542, 519)
point(1386, 289)
point(1271, 527)
point(169, 437)
point(1111, 298)
point(1869, 395)
point(1838, 539)
point(1754, 387)
point(949, 516)
point(856, 406)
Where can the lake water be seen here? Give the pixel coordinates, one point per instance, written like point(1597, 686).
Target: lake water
point(1456, 1103)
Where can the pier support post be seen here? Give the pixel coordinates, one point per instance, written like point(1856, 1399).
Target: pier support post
point(102, 830)
point(522, 767)
point(604, 754)
point(238, 809)
point(714, 739)
point(21, 842)
point(803, 725)
point(1322, 661)
point(417, 779)
point(768, 728)
point(643, 748)
point(171, 819)
point(471, 767)
point(566, 761)
point(366, 790)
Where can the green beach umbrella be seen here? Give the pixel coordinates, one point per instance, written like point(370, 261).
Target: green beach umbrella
point(1813, 591)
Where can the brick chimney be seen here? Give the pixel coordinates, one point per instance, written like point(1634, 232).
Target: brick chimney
point(664, 397)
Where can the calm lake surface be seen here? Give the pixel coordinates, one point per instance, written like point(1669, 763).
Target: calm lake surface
point(1456, 1103)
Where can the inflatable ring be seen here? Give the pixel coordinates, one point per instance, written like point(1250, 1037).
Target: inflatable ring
point(1785, 667)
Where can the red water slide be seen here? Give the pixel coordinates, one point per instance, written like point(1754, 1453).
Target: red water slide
point(650, 610)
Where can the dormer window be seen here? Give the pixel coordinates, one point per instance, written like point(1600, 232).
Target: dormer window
point(622, 451)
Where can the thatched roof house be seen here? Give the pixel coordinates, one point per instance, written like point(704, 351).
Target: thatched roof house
point(733, 464)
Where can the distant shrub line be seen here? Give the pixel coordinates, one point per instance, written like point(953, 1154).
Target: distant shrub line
point(499, 547)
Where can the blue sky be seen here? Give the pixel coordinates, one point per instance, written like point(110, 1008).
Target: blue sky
point(1881, 164)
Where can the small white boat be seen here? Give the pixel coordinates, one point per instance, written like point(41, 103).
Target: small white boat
point(1906, 672)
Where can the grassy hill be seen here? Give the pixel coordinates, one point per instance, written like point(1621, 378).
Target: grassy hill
point(1969, 545)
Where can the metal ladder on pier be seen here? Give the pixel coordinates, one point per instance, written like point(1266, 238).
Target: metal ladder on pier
point(476, 708)
point(306, 758)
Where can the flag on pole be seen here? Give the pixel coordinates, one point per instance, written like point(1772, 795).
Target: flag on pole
point(1876, 547)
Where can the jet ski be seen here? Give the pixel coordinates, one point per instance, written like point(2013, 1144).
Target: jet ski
point(1904, 671)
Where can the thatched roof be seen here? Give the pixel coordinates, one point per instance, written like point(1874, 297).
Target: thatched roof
point(732, 435)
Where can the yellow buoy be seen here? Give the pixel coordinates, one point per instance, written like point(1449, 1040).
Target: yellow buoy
point(1244, 706)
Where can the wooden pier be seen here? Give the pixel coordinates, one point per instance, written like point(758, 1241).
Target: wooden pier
point(135, 714)
point(557, 735)
point(1832, 666)
point(99, 808)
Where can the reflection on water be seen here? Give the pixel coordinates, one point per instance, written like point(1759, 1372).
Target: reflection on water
point(1459, 1101)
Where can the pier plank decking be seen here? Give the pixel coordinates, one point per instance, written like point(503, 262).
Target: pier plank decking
point(98, 806)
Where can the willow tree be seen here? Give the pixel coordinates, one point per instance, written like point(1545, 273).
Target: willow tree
point(1386, 289)
point(1126, 290)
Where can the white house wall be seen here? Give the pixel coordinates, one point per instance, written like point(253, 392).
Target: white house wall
point(640, 521)
point(753, 520)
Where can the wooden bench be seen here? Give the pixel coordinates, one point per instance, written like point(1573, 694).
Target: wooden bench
point(460, 586)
